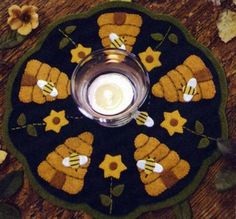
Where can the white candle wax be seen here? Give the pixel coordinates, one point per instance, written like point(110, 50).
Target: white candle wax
point(110, 94)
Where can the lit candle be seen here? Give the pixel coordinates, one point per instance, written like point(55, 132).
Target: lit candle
point(110, 94)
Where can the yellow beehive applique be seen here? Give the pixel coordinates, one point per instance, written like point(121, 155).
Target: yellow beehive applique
point(121, 27)
point(41, 82)
point(163, 167)
point(66, 167)
point(172, 85)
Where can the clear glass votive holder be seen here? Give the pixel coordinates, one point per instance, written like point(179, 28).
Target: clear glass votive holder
point(104, 62)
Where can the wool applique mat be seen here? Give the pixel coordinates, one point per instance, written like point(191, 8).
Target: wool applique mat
point(155, 161)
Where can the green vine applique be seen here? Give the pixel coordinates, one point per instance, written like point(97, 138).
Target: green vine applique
point(151, 57)
point(160, 38)
point(107, 200)
point(30, 128)
point(199, 130)
point(174, 123)
point(66, 39)
point(112, 166)
point(79, 52)
point(54, 122)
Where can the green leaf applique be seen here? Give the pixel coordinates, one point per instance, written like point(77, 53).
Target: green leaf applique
point(63, 43)
point(21, 119)
point(203, 143)
point(10, 40)
point(173, 38)
point(118, 190)
point(105, 200)
point(9, 211)
point(70, 29)
point(183, 210)
point(31, 130)
point(10, 184)
point(157, 36)
point(199, 127)
point(225, 179)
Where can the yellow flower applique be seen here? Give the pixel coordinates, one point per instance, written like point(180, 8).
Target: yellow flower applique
point(150, 58)
point(79, 53)
point(55, 121)
point(173, 122)
point(112, 166)
point(23, 19)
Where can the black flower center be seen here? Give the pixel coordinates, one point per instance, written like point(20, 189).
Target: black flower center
point(25, 17)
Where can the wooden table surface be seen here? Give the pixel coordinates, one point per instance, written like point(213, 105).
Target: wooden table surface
point(200, 17)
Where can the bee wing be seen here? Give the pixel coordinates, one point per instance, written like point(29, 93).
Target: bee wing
point(122, 47)
point(141, 164)
point(149, 122)
point(66, 161)
point(137, 113)
point(158, 168)
point(83, 160)
point(113, 36)
point(41, 83)
point(192, 83)
point(54, 92)
point(187, 97)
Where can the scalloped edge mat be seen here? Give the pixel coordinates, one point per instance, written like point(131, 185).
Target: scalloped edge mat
point(138, 211)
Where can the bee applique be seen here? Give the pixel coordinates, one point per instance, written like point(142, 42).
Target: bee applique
point(193, 73)
point(149, 166)
point(142, 118)
point(116, 41)
point(48, 88)
point(65, 167)
point(189, 90)
point(75, 160)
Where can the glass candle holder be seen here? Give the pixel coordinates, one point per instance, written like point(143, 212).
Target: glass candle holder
point(109, 86)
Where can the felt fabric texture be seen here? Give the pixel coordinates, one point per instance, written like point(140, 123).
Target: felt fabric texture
point(184, 159)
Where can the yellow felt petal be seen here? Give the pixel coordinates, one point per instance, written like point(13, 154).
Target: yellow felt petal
point(14, 23)
point(34, 20)
point(25, 29)
point(14, 10)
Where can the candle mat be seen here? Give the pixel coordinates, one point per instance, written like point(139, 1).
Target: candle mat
point(155, 161)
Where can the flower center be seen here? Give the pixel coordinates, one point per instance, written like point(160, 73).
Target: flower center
point(81, 54)
point(56, 120)
point(173, 122)
point(25, 18)
point(149, 59)
point(113, 165)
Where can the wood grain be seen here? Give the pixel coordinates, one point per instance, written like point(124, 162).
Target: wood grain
point(200, 18)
